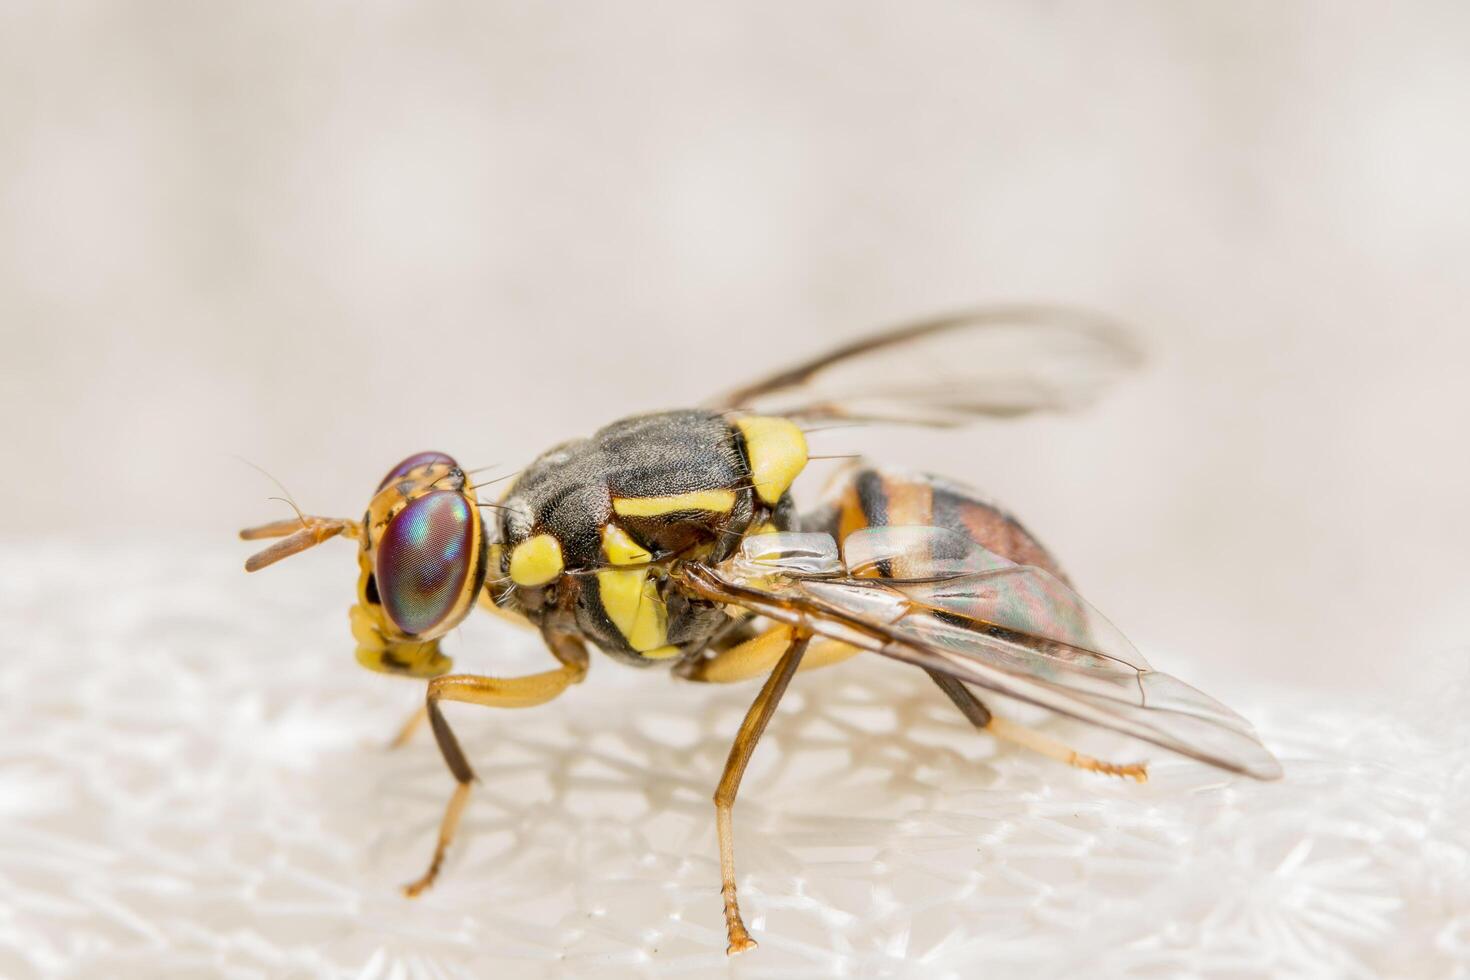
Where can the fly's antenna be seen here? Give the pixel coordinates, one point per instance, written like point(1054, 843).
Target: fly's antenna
point(305, 532)
point(292, 504)
point(287, 498)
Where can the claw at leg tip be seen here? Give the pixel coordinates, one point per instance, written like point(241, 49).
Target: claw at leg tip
point(740, 944)
point(417, 888)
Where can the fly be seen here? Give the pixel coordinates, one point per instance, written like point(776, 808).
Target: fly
point(671, 539)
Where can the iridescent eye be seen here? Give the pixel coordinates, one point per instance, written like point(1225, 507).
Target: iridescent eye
point(414, 462)
point(424, 559)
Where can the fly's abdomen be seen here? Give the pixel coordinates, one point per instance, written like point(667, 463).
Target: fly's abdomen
point(870, 497)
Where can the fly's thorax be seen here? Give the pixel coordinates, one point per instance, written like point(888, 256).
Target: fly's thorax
point(589, 531)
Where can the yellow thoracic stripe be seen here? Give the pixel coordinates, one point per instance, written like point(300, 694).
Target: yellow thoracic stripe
point(718, 501)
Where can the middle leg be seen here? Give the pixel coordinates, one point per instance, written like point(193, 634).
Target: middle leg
point(751, 730)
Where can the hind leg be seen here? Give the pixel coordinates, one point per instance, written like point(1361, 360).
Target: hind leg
point(982, 719)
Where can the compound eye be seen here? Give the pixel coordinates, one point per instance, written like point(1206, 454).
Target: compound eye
point(414, 462)
point(424, 560)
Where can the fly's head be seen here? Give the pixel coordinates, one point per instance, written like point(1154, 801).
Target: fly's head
point(422, 559)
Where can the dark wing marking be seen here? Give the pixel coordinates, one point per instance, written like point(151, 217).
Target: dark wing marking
point(996, 361)
point(1013, 629)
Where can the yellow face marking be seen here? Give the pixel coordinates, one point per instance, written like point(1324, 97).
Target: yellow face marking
point(631, 601)
point(621, 549)
point(536, 560)
point(777, 451)
point(364, 627)
point(662, 653)
point(377, 652)
point(718, 501)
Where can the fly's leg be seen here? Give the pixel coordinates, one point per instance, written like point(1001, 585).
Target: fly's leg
point(410, 725)
point(751, 730)
point(414, 721)
point(495, 692)
point(514, 692)
point(982, 719)
point(1037, 742)
point(758, 656)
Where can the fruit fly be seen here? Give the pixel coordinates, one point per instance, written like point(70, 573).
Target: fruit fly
point(671, 539)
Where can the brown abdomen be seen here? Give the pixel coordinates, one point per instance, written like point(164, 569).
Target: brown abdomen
point(869, 497)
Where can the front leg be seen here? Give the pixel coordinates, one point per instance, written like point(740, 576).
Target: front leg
point(495, 692)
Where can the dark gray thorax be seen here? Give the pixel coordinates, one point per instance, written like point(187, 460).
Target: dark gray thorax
point(676, 484)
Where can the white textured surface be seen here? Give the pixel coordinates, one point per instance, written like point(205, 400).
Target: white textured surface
point(192, 783)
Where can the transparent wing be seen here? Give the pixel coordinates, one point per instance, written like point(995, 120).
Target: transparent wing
point(988, 362)
point(955, 607)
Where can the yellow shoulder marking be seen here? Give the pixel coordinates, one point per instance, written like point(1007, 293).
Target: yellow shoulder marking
point(621, 549)
point(777, 451)
point(536, 560)
point(718, 501)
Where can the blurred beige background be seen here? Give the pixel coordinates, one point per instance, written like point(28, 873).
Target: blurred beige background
point(322, 236)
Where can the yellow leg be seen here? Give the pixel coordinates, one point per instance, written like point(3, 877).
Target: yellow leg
point(1050, 747)
point(982, 719)
point(745, 741)
point(410, 726)
point(757, 657)
point(495, 692)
